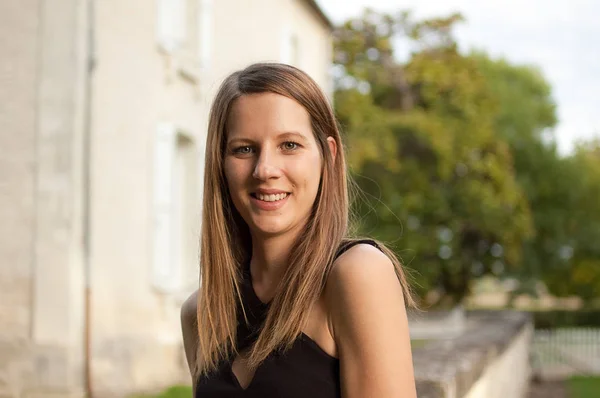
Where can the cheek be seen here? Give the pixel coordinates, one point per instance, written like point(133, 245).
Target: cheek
point(233, 175)
point(228, 173)
point(317, 167)
point(310, 170)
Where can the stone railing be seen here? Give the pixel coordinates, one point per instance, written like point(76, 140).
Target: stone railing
point(489, 360)
point(437, 325)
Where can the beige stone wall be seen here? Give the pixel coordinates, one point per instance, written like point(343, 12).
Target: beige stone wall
point(257, 31)
point(41, 273)
point(315, 42)
point(136, 332)
point(19, 30)
point(136, 85)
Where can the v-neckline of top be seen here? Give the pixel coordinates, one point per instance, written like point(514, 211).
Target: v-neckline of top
point(264, 307)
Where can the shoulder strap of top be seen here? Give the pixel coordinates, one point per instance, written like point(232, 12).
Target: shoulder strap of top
point(346, 245)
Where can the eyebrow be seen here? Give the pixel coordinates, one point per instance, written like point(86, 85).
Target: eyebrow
point(283, 135)
point(292, 134)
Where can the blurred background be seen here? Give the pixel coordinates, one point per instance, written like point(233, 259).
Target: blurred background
point(472, 130)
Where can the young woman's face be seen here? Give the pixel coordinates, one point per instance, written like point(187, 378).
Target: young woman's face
point(272, 163)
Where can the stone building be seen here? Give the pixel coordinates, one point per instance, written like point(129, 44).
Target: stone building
point(103, 108)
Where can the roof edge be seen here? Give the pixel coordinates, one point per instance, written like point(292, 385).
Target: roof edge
point(320, 13)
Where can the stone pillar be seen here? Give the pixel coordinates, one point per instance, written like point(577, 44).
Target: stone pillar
point(42, 75)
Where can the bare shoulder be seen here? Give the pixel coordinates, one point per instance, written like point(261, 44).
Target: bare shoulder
point(363, 288)
point(368, 322)
point(189, 307)
point(362, 270)
point(189, 329)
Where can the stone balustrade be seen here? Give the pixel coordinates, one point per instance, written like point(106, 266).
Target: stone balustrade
point(489, 360)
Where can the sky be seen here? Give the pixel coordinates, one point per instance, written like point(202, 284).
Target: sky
point(561, 37)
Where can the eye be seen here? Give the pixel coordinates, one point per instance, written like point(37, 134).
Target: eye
point(290, 145)
point(243, 150)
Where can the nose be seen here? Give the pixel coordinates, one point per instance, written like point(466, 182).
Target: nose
point(266, 166)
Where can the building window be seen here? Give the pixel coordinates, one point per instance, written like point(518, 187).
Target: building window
point(204, 31)
point(184, 29)
point(290, 51)
point(172, 24)
point(176, 226)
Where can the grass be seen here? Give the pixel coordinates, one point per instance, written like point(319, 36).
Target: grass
point(171, 392)
point(417, 343)
point(584, 386)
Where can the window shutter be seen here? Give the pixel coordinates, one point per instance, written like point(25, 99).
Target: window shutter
point(171, 23)
point(164, 270)
point(290, 47)
point(204, 31)
point(286, 46)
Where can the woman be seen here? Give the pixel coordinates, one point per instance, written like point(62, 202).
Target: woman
point(289, 306)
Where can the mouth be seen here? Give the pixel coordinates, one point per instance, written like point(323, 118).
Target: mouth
point(271, 197)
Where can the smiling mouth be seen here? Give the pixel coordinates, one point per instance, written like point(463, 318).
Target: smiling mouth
point(270, 198)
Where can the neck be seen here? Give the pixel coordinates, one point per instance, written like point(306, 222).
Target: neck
point(269, 261)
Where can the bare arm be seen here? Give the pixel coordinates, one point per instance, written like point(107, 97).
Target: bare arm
point(189, 329)
point(370, 326)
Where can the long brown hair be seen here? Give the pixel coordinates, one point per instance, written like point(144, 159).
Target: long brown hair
point(225, 239)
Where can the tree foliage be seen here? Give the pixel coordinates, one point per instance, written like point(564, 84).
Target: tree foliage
point(561, 191)
point(424, 149)
point(577, 268)
point(455, 155)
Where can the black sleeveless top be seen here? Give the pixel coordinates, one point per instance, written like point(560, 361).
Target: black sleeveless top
point(305, 370)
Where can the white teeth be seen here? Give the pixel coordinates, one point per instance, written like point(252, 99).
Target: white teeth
point(271, 198)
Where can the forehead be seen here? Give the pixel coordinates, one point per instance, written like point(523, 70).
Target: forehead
point(267, 113)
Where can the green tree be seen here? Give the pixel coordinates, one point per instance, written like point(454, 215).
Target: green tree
point(423, 148)
point(578, 272)
point(525, 113)
point(562, 191)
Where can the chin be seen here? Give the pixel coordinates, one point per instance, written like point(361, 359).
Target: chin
point(270, 228)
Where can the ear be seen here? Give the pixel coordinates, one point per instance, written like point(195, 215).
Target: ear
point(332, 147)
